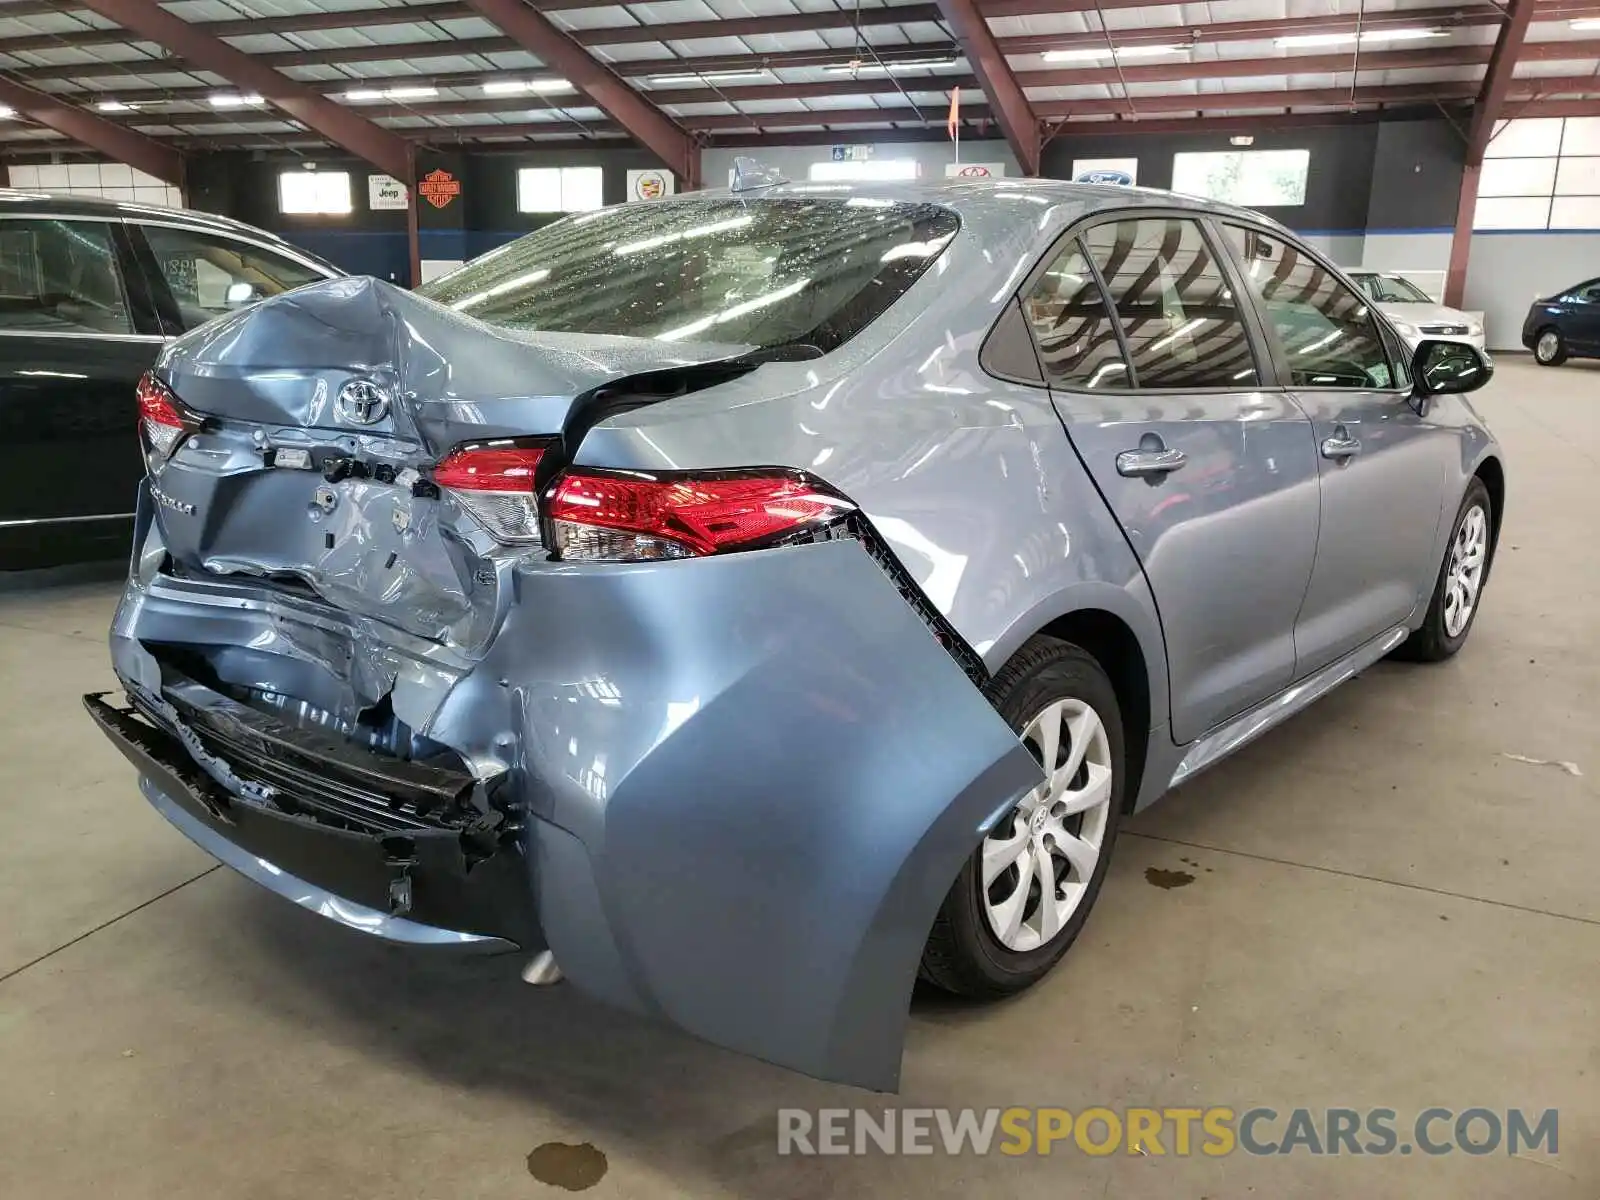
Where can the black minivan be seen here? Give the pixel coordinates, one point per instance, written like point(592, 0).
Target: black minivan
point(89, 291)
point(1565, 325)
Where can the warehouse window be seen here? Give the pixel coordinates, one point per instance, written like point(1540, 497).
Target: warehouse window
point(1541, 173)
point(305, 193)
point(560, 189)
point(1249, 178)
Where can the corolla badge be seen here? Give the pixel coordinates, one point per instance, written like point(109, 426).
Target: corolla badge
point(172, 502)
point(361, 402)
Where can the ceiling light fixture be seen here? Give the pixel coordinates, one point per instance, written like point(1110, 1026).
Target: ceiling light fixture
point(1583, 23)
point(515, 87)
point(395, 93)
point(1348, 39)
point(904, 64)
point(1241, 139)
point(228, 100)
point(115, 106)
point(1089, 53)
point(711, 76)
point(6, 113)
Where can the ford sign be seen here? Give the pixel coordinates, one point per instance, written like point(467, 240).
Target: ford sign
point(1121, 177)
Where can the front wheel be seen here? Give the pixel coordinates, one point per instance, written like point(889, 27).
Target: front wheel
point(1550, 350)
point(1460, 584)
point(1025, 893)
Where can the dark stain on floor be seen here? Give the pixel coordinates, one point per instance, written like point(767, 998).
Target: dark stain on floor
point(563, 1165)
point(1167, 879)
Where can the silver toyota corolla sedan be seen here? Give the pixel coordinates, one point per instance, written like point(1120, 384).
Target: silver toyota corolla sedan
point(746, 602)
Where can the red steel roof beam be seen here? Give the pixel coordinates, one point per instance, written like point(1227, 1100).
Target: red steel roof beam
point(1013, 113)
point(651, 127)
point(382, 148)
point(114, 141)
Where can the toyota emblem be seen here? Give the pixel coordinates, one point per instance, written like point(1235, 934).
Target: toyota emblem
point(361, 402)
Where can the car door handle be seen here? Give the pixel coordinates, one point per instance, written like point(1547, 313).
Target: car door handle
point(1341, 446)
point(1141, 464)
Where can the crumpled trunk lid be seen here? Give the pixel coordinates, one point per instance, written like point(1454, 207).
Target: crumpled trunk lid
point(325, 409)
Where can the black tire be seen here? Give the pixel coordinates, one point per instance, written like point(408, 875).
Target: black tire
point(1432, 642)
point(962, 954)
point(1560, 354)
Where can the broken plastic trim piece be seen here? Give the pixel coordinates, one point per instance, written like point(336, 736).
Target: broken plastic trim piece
point(541, 970)
point(427, 877)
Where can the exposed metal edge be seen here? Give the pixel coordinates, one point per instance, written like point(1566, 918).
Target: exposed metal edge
point(15, 522)
point(1247, 726)
point(309, 896)
point(84, 335)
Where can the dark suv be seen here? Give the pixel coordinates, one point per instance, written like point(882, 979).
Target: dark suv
point(89, 292)
point(1566, 325)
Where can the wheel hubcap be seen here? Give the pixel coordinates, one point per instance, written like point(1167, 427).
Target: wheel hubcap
point(1547, 346)
point(1037, 863)
point(1464, 576)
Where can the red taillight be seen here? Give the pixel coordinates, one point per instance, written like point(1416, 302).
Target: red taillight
point(159, 415)
point(635, 517)
point(495, 485)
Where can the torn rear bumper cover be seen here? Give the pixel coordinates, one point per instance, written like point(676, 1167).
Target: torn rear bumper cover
point(419, 886)
point(742, 786)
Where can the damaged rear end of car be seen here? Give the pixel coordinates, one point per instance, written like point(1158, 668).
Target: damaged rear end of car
point(389, 650)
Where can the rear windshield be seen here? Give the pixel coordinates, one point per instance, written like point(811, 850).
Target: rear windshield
point(806, 274)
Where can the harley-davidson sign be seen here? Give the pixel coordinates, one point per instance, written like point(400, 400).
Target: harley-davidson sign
point(438, 188)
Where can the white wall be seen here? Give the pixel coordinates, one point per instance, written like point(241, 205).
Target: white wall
point(1424, 251)
point(109, 181)
point(1508, 271)
point(1343, 248)
point(795, 161)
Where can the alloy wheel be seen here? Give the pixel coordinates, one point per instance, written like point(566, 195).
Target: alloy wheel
point(1464, 576)
point(1548, 345)
point(1038, 862)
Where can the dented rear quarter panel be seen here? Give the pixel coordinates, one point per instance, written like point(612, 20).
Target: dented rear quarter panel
point(749, 780)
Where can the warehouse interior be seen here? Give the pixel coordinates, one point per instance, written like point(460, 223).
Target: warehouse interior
point(1388, 903)
point(1412, 113)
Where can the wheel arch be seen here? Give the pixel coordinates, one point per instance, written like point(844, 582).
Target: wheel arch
point(1114, 645)
point(1493, 475)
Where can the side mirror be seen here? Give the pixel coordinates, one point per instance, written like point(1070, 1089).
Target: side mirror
point(1441, 368)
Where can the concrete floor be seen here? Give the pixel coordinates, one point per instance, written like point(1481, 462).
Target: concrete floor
point(1386, 911)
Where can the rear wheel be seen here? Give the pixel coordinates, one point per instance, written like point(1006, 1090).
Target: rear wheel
point(1549, 350)
point(1024, 895)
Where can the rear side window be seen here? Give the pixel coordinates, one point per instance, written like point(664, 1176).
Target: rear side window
point(799, 274)
point(61, 276)
point(210, 276)
point(1328, 331)
point(1072, 327)
point(1177, 312)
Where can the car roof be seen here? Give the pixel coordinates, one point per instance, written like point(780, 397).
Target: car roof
point(997, 197)
point(15, 202)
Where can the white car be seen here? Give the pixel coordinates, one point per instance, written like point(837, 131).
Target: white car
point(1414, 313)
